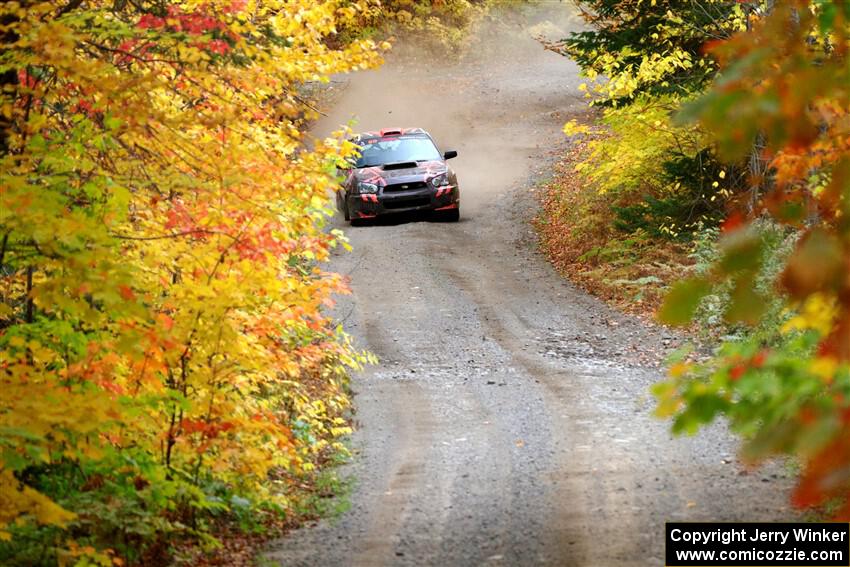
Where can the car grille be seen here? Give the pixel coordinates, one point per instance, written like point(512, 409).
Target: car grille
point(405, 186)
point(405, 203)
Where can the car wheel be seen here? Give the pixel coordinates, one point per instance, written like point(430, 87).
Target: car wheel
point(342, 204)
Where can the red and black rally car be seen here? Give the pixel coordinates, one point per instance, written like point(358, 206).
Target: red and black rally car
point(398, 170)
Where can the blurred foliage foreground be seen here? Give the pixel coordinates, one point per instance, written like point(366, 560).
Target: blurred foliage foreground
point(723, 142)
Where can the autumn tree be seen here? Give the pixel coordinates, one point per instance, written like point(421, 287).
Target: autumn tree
point(785, 80)
point(643, 48)
point(163, 341)
point(642, 62)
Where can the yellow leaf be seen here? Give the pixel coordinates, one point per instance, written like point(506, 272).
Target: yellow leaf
point(824, 367)
point(679, 369)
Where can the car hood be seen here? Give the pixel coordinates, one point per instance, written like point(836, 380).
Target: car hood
point(380, 176)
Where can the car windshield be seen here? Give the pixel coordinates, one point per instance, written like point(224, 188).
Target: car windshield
point(380, 151)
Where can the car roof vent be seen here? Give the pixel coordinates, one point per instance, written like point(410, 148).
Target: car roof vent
point(391, 132)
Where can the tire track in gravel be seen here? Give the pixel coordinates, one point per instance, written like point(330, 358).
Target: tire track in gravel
point(572, 539)
point(414, 432)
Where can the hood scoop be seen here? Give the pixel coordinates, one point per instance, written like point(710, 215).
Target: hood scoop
point(399, 165)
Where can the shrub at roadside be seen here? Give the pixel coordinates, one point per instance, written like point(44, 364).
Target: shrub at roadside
point(578, 233)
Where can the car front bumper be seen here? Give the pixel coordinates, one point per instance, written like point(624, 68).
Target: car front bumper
point(371, 205)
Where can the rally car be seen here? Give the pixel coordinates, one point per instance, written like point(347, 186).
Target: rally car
point(398, 170)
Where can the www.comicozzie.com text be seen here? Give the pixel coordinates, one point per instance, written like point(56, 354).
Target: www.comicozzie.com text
point(743, 534)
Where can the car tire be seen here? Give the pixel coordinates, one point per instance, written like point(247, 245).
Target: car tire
point(452, 215)
point(345, 212)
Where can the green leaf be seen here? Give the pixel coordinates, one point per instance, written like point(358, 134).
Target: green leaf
point(111, 123)
point(9, 432)
point(682, 301)
point(747, 305)
point(742, 252)
point(826, 17)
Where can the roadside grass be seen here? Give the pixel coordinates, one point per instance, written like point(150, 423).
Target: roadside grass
point(330, 497)
point(576, 227)
point(321, 494)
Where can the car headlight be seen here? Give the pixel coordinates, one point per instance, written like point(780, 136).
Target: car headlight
point(440, 180)
point(363, 187)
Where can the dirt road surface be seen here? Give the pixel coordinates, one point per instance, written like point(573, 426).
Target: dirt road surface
point(509, 420)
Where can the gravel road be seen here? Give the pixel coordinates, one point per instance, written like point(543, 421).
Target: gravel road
point(509, 420)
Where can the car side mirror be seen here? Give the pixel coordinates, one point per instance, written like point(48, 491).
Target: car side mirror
point(345, 165)
point(449, 154)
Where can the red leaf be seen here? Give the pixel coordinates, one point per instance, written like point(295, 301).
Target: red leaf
point(126, 292)
point(732, 222)
point(759, 359)
point(165, 321)
point(736, 372)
